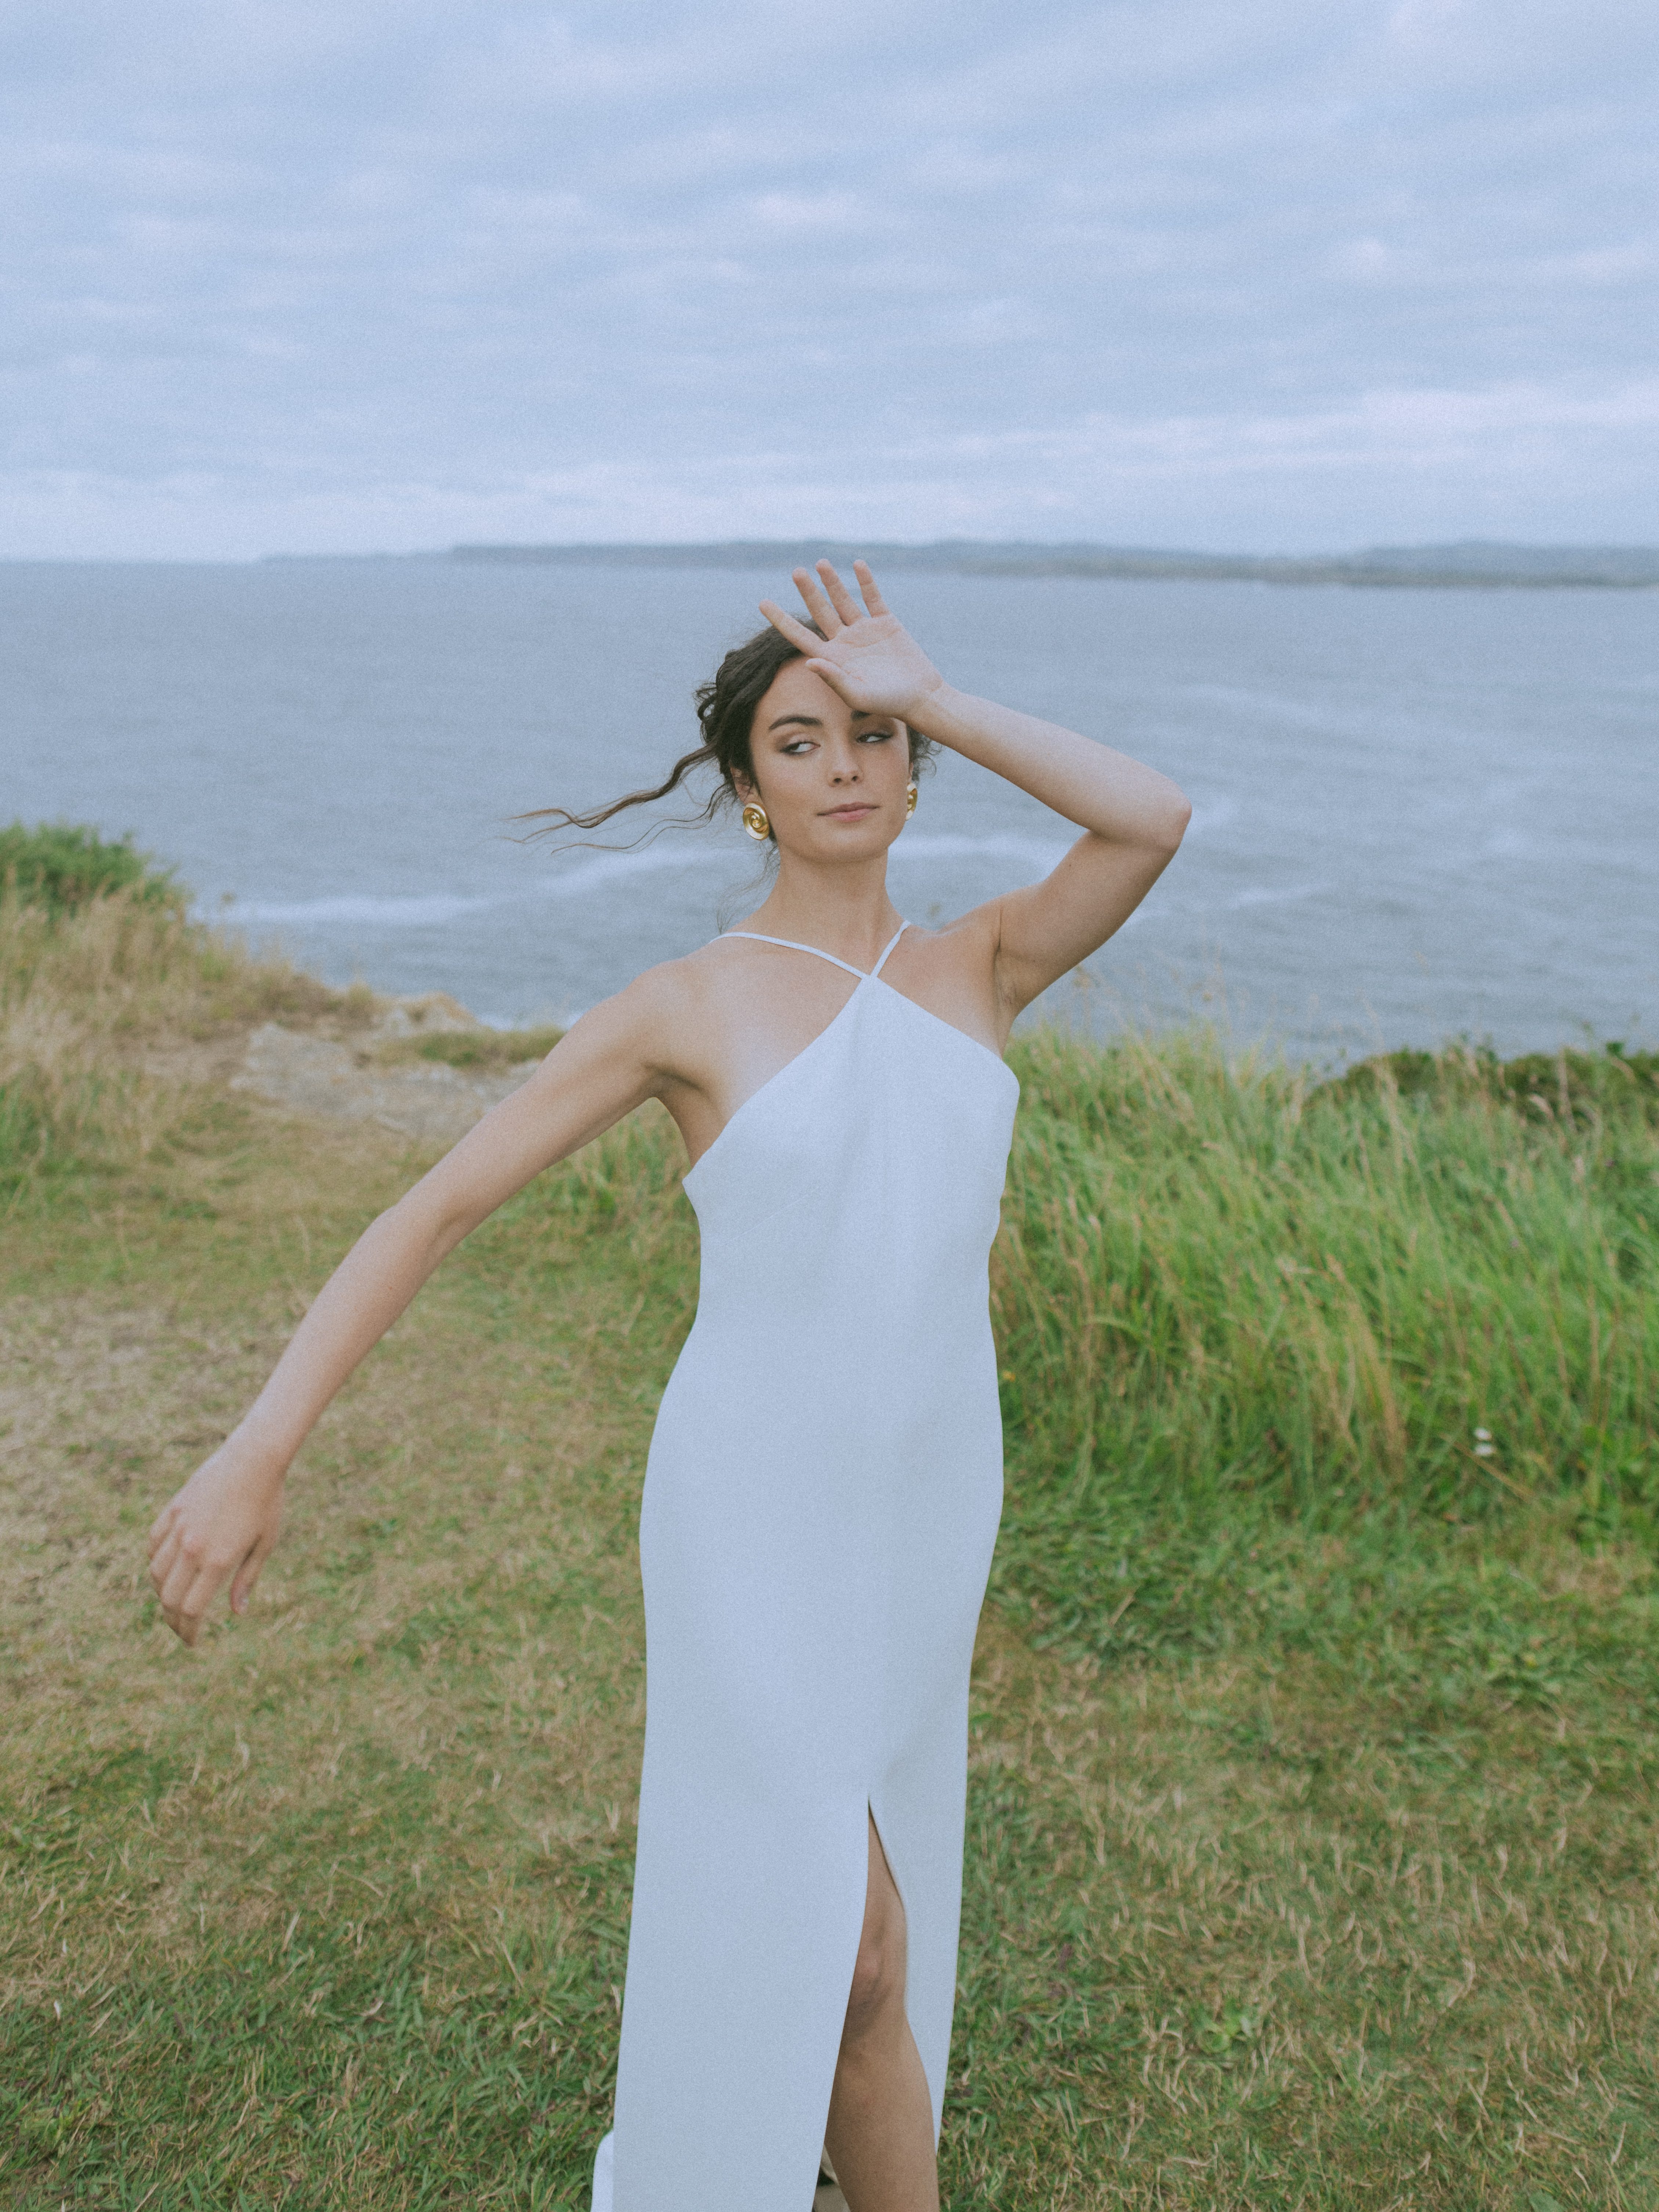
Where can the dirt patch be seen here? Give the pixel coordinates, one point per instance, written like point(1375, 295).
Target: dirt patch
point(335, 1081)
point(103, 1408)
point(432, 1104)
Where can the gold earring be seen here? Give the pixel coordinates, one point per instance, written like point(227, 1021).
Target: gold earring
point(911, 795)
point(756, 822)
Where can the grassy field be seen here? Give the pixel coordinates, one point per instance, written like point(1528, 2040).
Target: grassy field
point(1311, 1857)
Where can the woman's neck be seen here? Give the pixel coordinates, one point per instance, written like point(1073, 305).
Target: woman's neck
point(842, 910)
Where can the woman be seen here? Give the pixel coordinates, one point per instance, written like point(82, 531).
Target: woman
point(825, 1477)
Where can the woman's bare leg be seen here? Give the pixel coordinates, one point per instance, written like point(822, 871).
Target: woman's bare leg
point(881, 2118)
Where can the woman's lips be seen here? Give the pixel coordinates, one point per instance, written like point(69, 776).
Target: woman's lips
point(853, 813)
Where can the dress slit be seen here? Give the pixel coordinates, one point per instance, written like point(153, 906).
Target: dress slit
point(891, 1861)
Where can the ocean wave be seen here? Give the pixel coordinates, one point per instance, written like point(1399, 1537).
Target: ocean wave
point(615, 867)
point(383, 911)
point(424, 909)
point(951, 845)
point(1269, 895)
point(421, 909)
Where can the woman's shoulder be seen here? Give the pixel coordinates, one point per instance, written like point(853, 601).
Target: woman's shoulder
point(685, 983)
point(675, 1001)
point(687, 1020)
point(968, 942)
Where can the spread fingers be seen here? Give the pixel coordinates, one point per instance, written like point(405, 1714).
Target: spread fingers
point(871, 589)
point(840, 598)
point(787, 626)
point(819, 603)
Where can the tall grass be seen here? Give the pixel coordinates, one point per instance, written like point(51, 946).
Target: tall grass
point(110, 1006)
point(1229, 1303)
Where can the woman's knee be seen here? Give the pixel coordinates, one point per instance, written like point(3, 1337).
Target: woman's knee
point(878, 1978)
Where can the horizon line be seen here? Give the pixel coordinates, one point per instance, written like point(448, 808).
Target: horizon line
point(1447, 562)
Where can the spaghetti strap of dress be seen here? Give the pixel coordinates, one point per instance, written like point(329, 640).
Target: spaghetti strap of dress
point(790, 945)
point(891, 942)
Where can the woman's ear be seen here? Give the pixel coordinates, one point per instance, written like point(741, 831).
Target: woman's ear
point(743, 785)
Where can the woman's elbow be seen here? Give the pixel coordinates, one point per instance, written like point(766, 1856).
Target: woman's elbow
point(1175, 813)
point(426, 1224)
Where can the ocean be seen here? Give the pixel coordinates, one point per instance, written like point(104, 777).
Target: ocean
point(1418, 814)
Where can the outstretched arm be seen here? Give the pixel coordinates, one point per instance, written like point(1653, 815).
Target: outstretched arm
point(224, 1521)
point(1133, 817)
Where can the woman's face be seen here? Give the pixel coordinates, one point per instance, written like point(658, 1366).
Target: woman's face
point(832, 781)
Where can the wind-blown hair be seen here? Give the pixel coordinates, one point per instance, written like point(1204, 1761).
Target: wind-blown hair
point(725, 710)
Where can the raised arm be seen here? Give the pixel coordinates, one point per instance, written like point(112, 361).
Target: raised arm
point(1133, 817)
point(225, 1520)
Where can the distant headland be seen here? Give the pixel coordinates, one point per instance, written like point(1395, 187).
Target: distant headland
point(1471, 564)
point(1467, 564)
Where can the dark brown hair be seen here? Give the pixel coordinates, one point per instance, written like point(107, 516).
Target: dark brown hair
point(726, 710)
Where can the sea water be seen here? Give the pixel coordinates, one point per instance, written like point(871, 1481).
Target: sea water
point(1418, 814)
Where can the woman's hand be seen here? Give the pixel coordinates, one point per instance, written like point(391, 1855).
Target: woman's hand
point(224, 1521)
point(866, 654)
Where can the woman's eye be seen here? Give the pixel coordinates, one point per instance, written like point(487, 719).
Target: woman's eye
point(876, 737)
point(797, 745)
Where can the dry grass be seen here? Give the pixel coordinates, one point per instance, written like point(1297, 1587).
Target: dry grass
point(115, 1020)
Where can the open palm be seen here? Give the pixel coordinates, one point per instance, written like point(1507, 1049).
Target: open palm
point(864, 653)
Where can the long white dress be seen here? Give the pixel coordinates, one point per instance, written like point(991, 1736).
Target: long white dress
point(821, 1501)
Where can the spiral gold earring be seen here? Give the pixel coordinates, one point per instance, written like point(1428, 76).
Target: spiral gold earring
point(756, 822)
point(911, 795)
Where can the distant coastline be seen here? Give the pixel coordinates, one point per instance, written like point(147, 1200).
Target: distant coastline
point(1469, 565)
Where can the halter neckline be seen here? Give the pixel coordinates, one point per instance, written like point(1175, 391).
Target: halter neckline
point(789, 945)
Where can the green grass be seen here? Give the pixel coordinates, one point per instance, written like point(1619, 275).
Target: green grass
point(474, 1048)
point(1245, 1325)
point(1311, 1850)
point(61, 867)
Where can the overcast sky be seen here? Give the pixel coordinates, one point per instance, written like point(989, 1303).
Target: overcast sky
point(344, 275)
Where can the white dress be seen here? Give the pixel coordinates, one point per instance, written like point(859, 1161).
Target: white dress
point(820, 1504)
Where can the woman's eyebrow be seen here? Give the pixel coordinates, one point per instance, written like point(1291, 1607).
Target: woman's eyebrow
point(812, 722)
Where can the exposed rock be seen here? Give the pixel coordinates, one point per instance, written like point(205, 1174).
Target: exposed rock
point(430, 1103)
point(432, 1013)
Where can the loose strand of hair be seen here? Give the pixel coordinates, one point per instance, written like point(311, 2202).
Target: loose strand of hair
point(555, 818)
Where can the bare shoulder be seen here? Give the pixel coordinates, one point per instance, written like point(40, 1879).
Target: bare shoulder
point(965, 949)
point(619, 1053)
point(952, 971)
point(687, 993)
point(649, 1020)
